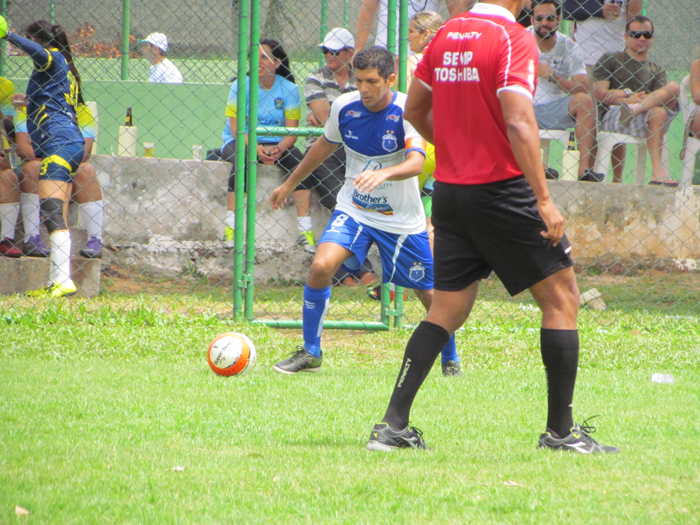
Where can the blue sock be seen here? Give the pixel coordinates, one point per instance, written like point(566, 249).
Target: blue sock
point(449, 351)
point(316, 301)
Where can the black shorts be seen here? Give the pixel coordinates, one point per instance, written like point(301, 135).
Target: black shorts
point(496, 227)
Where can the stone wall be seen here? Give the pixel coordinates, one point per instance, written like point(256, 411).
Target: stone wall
point(165, 216)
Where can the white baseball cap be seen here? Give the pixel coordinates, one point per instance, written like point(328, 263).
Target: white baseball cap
point(338, 38)
point(157, 39)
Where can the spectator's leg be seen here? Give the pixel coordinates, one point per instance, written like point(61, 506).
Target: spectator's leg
point(29, 200)
point(656, 120)
point(88, 195)
point(228, 153)
point(582, 108)
point(9, 212)
point(331, 178)
point(618, 161)
point(695, 125)
point(302, 197)
point(666, 97)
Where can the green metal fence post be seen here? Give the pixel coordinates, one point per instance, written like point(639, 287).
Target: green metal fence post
point(241, 101)
point(324, 24)
point(403, 43)
point(3, 12)
point(346, 13)
point(391, 27)
point(52, 12)
point(252, 156)
point(126, 30)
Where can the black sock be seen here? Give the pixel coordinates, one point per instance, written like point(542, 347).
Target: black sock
point(423, 347)
point(560, 357)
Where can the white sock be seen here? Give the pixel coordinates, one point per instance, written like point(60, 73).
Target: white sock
point(29, 203)
point(9, 213)
point(91, 214)
point(304, 224)
point(60, 256)
point(231, 219)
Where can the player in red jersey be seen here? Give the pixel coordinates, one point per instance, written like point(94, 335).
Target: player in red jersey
point(492, 211)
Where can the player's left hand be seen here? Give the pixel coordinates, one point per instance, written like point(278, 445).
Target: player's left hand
point(369, 179)
point(553, 220)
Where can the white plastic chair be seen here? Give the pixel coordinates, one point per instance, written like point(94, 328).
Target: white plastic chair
point(547, 136)
point(692, 146)
point(607, 141)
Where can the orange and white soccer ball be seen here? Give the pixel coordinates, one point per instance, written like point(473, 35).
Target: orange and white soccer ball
point(231, 354)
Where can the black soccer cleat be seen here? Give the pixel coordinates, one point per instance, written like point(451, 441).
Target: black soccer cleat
point(385, 439)
point(578, 441)
point(301, 361)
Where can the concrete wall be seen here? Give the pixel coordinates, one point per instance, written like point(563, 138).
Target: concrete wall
point(166, 215)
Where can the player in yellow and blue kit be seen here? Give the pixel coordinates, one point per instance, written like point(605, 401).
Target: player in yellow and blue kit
point(52, 95)
point(86, 188)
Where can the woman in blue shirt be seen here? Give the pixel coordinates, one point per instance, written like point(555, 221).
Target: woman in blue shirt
point(279, 104)
point(52, 96)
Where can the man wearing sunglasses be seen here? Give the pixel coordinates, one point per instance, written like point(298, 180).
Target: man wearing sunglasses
point(600, 25)
point(638, 98)
point(562, 98)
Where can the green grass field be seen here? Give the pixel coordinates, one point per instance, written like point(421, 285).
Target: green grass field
point(109, 416)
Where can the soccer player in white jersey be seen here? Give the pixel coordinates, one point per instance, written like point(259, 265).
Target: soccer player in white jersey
point(379, 202)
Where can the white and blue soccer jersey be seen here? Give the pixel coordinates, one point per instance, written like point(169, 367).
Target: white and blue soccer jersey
point(375, 140)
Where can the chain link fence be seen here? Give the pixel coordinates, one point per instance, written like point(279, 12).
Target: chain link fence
point(162, 183)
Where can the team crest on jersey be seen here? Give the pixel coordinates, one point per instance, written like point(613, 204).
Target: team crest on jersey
point(353, 113)
point(279, 103)
point(389, 142)
point(417, 272)
point(393, 117)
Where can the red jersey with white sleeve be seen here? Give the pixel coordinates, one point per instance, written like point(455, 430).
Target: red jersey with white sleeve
point(469, 62)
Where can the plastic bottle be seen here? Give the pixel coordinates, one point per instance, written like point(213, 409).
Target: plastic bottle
point(661, 378)
point(570, 159)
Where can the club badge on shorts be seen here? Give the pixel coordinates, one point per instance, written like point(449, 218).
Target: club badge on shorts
point(417, 272)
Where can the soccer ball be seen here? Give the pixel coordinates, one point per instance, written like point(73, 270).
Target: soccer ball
point(231, 354)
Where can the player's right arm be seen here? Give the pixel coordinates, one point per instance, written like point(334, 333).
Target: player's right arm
point(42, 58)
point(524, 138)
point(319, 152)
point(368, 10)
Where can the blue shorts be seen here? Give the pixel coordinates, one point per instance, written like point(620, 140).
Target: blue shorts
point(59, 163)
point(406, 259)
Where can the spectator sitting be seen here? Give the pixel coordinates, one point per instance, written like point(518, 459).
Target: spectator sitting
point(9, 203)
point(154, 48)
point(321, 89)
point(368, 11)
point(639, 100)
point(279, 104)
point(85, 189)
point(693, 125)
point(600, 25)
point(562, 98)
